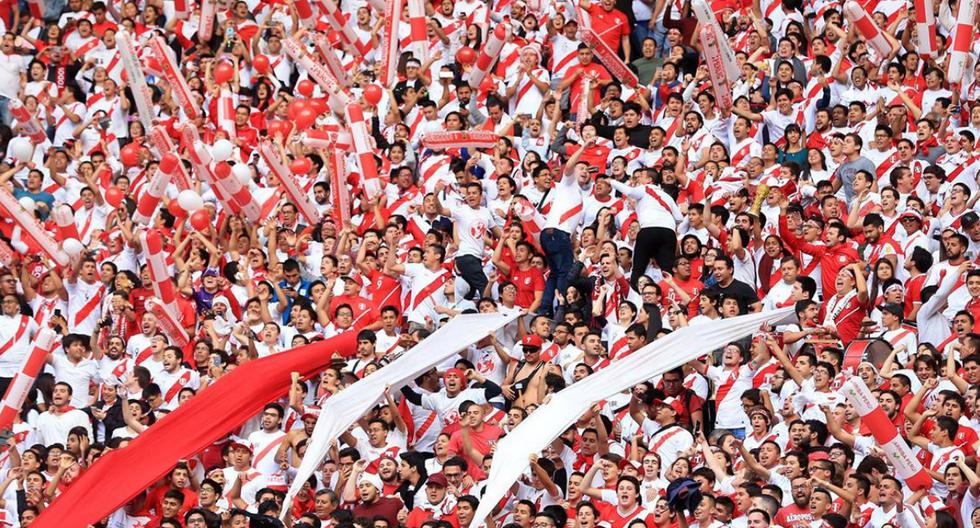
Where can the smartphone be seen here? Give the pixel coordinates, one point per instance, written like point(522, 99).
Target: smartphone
point(215, 360)
point(57, 312)
point(104, 123)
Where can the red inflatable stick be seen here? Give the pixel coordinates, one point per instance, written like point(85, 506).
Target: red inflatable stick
point(226, 113)
point(907, 468)
point(162, 143)
point(340, 194)
point(30, 225)
point(716, 68)
point(959, 55)
point(205, 28)
point(64, 219)
point(867, 27)
point(925, 26)
point(389, 43)
point(13, 399)
point(137, 81)
point(339, 24)
point(488, 55)
point(29, 124)
point(171, 72)
point(418, 38)
point(297, 195)
point(336, 97)
point(157, 187)
point(362, 147)
point(617, 68)
point(331, 61)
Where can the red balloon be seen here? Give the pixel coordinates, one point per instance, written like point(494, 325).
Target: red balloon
point(305, 88)
point(500, 32)
point(486, 84)
point(319, 106)
point(114, 196)
point(372, 94)
point(175, 209)
point(278, 127)
point(292, 109)
point(223, 73)
point(201, 220)
point(261, 64)
point(222, 170)
point(130, 155)
point(466, 56)
point(305, 118)
point(169, 162)
point(301, 165)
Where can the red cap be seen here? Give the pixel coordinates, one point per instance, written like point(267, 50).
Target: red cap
point(532, 340)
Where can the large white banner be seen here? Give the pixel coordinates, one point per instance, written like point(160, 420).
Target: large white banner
point(344, 408)
point(510, 459)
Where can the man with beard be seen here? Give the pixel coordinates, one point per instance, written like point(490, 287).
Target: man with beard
point(389, 475)
point(175, 377)
point(114, 365)
point(798, 514)
point(266, 441)
point(371, 503)
point(879, 244)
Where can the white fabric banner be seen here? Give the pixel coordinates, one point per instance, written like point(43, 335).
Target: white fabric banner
point(510, 459)
point(344, 408)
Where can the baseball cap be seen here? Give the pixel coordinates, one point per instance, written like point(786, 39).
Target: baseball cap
point(238, 442)
point(673, 403)
point(969, 219)
point(532, 340)
point(893, 309)
point(437, 480)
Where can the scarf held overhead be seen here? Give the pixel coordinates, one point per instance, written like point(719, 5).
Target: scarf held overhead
point(551, 419)
point(227, 404)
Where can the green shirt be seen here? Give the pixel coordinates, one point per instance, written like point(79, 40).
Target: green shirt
point(647, 68)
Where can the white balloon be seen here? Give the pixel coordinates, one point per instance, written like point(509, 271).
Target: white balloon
point(190, 201)
point(28, 204)
point(72, 246)
point(243, 173)
point(221, 150)
point(22, 151)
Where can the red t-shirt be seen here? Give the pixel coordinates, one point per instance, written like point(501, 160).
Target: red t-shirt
point(385, 290)
point(483, 441)
point(793, 516)
point(610, 514)
point(611, 26)
point(528, 282)
point(595, 70)
point(365, 312)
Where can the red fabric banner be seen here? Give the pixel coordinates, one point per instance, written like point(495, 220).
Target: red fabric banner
point(121, 475)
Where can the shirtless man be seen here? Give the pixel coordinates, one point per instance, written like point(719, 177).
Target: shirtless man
point(524, 383)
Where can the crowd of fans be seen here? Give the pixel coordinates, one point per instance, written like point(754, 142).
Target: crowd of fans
point(841, 182)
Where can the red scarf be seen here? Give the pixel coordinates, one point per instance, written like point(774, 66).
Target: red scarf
point(922, 147)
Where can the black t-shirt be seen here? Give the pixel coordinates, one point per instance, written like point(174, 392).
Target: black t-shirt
point(741, 292)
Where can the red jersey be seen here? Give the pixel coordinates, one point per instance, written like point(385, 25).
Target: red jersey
point(793, 516)
point(528, 282)
point(593, 70)
point(610, 26)
point(385, 290)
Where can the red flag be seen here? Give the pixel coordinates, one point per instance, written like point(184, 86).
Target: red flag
point(227, 404)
